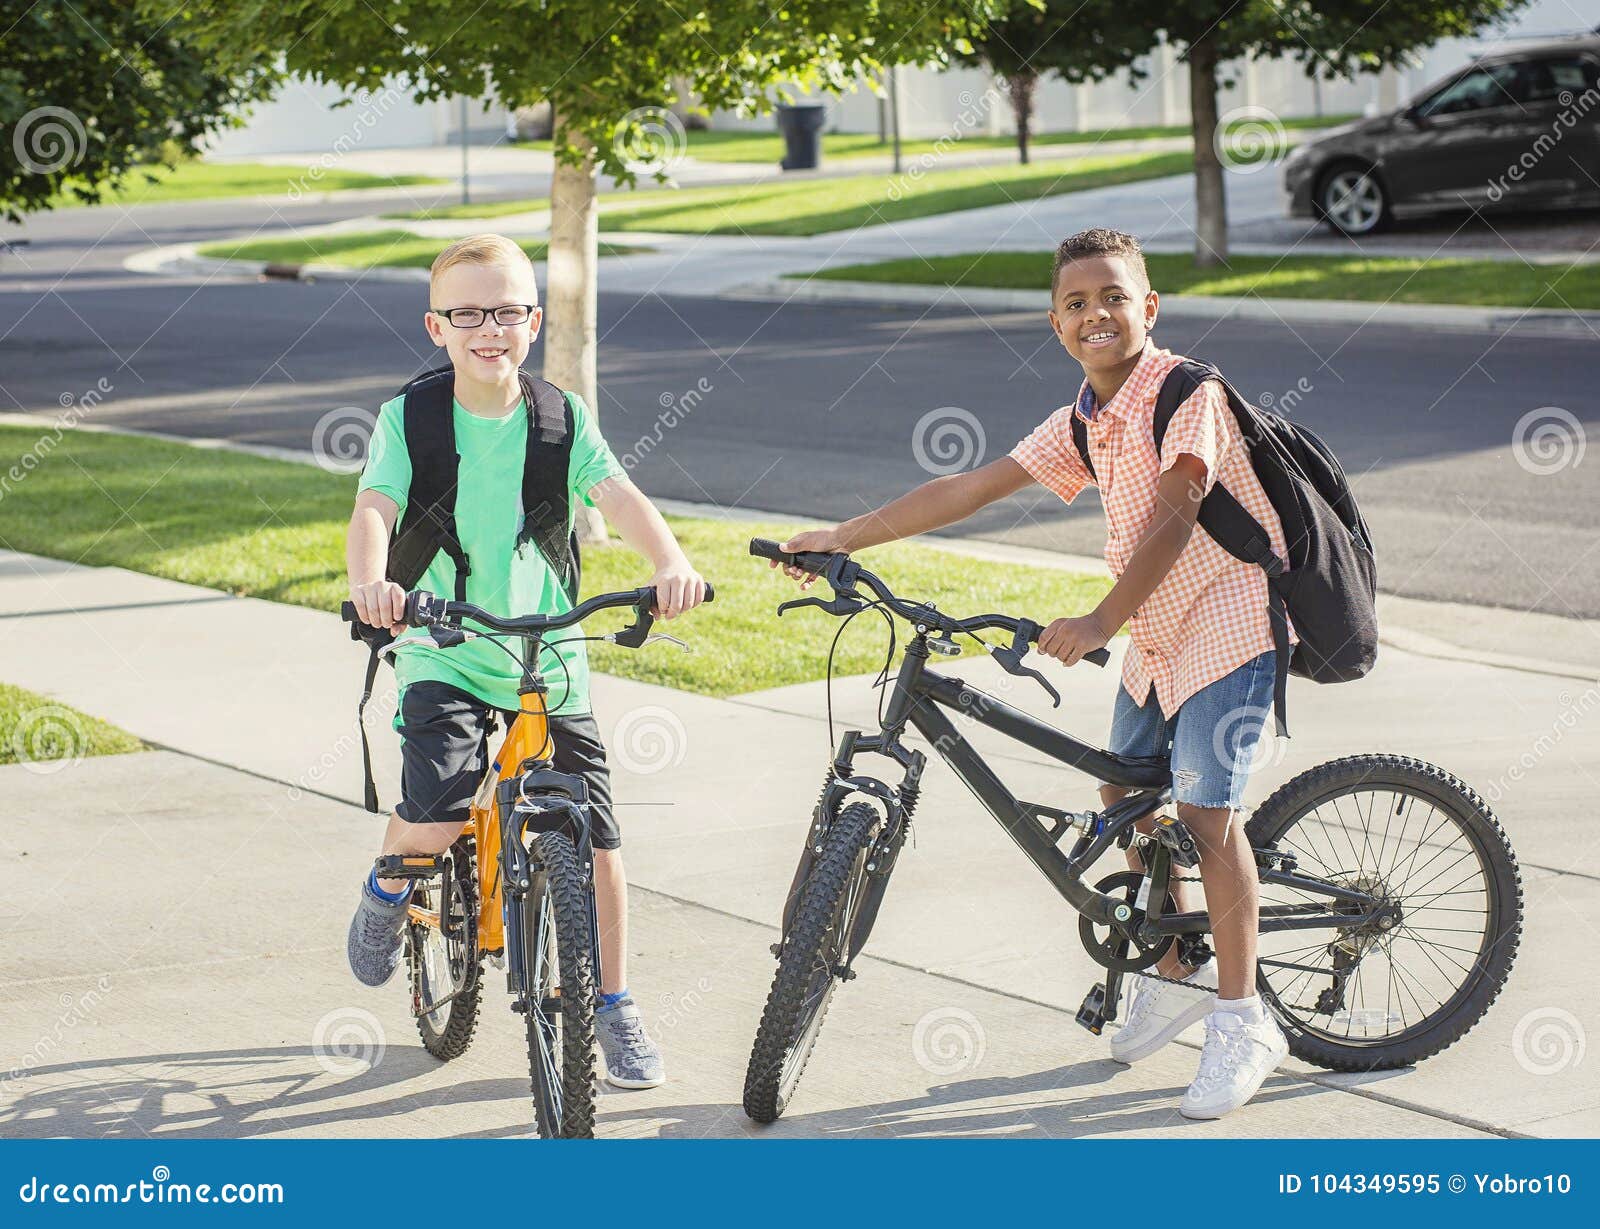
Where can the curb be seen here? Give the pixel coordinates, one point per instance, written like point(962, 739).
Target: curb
point(1529, 322)
point(184, 260)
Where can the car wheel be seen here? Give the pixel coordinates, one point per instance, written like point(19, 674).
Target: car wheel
point(1353, 200)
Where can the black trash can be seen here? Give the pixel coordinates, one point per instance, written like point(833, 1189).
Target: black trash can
point(801, 128)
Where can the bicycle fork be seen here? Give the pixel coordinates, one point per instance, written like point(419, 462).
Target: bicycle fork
point(563, 809)
point(884, 851)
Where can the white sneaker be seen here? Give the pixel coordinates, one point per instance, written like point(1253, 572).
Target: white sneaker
point(1237, 1057)
point(1161, 1010)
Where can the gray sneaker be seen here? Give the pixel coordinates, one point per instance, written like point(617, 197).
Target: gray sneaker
point(374, 941)
point(632, 1059)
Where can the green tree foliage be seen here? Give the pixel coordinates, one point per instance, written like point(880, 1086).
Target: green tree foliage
point(91, 89)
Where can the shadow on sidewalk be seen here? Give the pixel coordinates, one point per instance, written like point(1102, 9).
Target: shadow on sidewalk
point(236, 1094)
point(1048, 1104)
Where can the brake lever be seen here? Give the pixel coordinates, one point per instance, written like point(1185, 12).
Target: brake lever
point(447, 635)
point(652, 638)
point(839, 604)
point(1010, 659)
point(637, 633)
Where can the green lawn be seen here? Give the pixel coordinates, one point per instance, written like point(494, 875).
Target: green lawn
point(1481, 283)
point(205, 180)
point(817, 206)
point(38, 730)
point(273, 529)
point(710, 145)
point(366, 250)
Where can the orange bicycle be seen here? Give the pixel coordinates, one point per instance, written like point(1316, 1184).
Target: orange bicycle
point(517, 887)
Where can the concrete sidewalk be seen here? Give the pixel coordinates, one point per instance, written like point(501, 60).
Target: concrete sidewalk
point(176, 917)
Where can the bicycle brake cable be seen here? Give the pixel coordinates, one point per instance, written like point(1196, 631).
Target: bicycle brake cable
point(879, 606)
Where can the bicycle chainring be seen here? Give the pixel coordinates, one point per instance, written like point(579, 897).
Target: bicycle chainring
point(1114, 946)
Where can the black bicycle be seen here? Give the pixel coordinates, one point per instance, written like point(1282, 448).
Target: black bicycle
point(517, 886)
point(1391, 899)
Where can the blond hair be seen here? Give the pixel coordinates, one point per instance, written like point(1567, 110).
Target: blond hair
point(486, 249)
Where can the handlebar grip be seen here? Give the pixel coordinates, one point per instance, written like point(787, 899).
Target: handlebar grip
point(815, 562)
point(765, 548)
point(648, 594)
point(347, 612)
point(1096, 657)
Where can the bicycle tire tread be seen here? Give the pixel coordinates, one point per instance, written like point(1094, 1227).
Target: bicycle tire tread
point(846, 836)
point(567, 886)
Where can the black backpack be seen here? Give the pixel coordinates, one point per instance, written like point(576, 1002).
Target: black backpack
point(429, 523)
point(1329, 584)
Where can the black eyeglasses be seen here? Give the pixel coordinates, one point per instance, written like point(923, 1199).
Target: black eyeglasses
point(472, 317)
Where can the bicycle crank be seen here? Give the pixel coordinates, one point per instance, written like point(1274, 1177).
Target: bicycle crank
point(1114, 945)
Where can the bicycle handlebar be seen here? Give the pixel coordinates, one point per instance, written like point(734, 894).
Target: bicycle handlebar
point(424, 609)
point(844, 574)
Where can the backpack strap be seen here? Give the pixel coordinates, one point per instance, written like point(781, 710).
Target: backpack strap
point(547, 510)
point(429, 524)
point(1080, 437)
point(1226, 519)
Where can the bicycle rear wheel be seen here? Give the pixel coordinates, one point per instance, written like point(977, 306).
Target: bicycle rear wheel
point(442, 955)
point(1360, 998)
point(558, 985)
point(813, 950)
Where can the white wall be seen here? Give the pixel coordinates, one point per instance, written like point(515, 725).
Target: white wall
point(932, 104)
point(303, 119)
point(937, 104)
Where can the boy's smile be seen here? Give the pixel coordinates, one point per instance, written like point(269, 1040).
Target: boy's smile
point(1102, 312)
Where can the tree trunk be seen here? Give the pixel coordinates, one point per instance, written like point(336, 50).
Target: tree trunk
point(1210, 200)
point(1021, 86)
point(571, 302)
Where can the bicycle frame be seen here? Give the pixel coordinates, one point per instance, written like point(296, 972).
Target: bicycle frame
point(918, 699)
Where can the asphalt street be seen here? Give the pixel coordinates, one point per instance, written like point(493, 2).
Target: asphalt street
point(821, 411)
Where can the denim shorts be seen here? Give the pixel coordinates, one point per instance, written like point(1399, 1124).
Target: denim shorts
point(1213, 738)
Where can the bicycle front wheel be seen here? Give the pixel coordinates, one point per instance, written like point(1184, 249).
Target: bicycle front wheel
point(1362, 997)
point(442, 955)
point(813, 951)
point(558, 986)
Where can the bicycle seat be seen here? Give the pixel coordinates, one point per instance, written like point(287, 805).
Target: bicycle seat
point(1142, 771)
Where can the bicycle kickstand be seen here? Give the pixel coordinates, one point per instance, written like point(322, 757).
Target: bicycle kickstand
point(1100, 1004)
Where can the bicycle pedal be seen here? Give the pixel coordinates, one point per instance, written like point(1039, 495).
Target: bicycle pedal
point(408, 866)
point(1092, 1014)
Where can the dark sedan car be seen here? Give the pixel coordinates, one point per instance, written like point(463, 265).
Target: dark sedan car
point(1514, 129)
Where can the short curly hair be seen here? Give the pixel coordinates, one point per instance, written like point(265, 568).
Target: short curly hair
point(1099, 241)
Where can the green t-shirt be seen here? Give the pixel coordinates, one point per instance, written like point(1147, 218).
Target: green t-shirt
point(504, 580)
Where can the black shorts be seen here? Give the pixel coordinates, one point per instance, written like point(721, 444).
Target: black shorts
point(444, 752)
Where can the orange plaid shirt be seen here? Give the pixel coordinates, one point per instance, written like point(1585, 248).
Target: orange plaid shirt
point(1208, 616)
